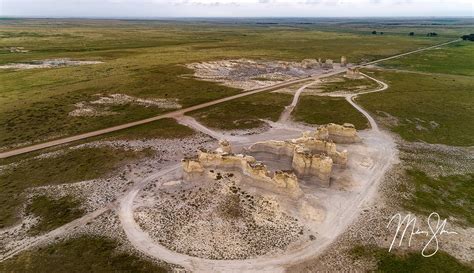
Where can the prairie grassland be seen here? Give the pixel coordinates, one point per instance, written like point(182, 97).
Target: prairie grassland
point(453, 59)
point(442, 194)
point(68, 167)
point(244, 113)
point(409, 261)
point(322, 110)
point(73, 165)
point(82, 254)
point(432, 101)
point(423, 107)
point(165, 128)
point(339, 83)
point(53, 212)
point(144, 59)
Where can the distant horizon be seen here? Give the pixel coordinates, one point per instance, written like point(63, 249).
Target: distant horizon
point(235, 17)
point(117, 9)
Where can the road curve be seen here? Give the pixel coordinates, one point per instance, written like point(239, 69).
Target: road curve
point(135, 234)
point(142, 241)
point(285, 116)
point(350, 99)
point(126, 202)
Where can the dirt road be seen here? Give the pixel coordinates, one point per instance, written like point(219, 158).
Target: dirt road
point(342, 210)
point(192, 108)
point(289, 109)
point(144, 243)
point(337, 223)
point(350, 99)
point(410, 52)
point(148, 120)
point(35, 241)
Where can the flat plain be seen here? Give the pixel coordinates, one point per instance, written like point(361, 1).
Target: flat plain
point(145, 60)
point(142, 71)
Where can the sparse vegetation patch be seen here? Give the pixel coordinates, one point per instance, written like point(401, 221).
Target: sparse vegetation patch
point(68, 166)
point(53, 212)
point(408, 262)
point(82, 254)
point(322, 110)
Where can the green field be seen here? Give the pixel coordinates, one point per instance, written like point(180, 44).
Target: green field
point(409, 261)
point(53, 212)
point(322, 110)
point(82, 254)
point(453, 59)
point(430, 108)
point(343, 84)
point(431, 100)
point(244, 113)
point(35, 111)
point(431, 97)
point(447, 195)
point(144, 59)
point(71, 166)
point(164, 128)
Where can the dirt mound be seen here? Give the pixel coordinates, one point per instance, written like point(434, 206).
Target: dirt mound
point(49, 63)
point(100, 107)
point(250, 74)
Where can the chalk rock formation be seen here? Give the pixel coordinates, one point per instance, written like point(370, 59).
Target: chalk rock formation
point(305, 163)
point(248, 165)
point(224, 147)
point(192, 165)
point(310, 63)
point(345, 133)
point(318, 146)
point(312, 155)
point(353, 73)
point(343, 61)
point(312, 144)
point(328, 64)
point(276, 147)
point(287, 180)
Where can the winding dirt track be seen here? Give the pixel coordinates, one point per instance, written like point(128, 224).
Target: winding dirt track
point(350, 99)
point(259, 264)
point(285, 116)
point(141, 241)
point(337, 222)
point(189, 109)
point(39, 240)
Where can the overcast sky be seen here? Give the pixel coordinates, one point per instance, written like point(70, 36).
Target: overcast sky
point(235, 8)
